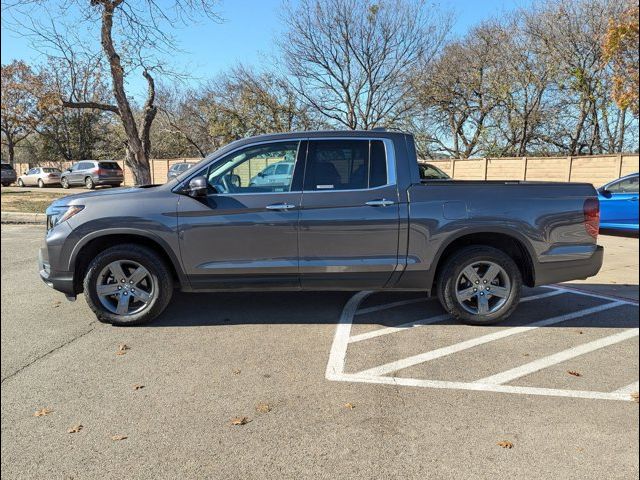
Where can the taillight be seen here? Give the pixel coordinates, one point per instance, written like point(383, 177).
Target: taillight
point(100, 171)
point(592, 216)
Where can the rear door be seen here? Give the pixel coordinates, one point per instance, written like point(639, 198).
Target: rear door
point(243, 235)
point(349, 221)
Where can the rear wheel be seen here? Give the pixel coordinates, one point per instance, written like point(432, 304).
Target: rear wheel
point(480, 285)
point(128, 285)
point(88, 182)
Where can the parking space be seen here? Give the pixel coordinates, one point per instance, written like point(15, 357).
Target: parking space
point(213, 358)
point(560, 342)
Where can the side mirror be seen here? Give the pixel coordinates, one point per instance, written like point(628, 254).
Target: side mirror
point(605, 193)
point(198, 187)
point(68, 170)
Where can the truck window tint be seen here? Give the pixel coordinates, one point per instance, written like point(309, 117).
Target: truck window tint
point(251, 170)
point(378, 164)
point(345, 165)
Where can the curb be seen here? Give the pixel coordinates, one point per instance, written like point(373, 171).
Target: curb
point(20, 217)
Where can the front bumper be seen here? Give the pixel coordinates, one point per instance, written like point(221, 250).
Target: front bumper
point(60, 281)
point(555, 272)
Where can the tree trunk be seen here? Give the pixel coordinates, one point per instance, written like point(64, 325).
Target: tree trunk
point(12, 151)
point(137, 155)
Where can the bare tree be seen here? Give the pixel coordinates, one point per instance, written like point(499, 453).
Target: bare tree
point(132, 38)
point(461, 90)
point(350, 59)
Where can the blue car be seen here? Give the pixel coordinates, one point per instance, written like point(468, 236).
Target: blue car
point(619, 204)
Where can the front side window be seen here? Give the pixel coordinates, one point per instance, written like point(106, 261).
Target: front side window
point(628, 185)
point(247, 171)
point(345, 165)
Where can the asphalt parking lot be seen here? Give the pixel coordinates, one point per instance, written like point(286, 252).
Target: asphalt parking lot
point(330, 385)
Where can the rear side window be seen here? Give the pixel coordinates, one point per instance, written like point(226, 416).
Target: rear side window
point(109, 165)
point(345, 165)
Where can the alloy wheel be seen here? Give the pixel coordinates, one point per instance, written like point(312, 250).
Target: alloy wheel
point(483, 288)
point(125, 287)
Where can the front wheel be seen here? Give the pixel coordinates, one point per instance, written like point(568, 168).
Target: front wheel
point(64, 182)
point(88, 182)
point(480, 285)
point(20, 183)
point(40, 184)
point(128, 285)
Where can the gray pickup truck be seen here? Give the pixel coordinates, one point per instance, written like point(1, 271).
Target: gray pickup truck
point(354, 215)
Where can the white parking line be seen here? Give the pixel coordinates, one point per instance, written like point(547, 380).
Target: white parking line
point(536, 365)
point(474, 342)
point(403, 326)
point(337, 357)
point(430, 320)
point(629, 389)
point(386, 306)
point(480, 387)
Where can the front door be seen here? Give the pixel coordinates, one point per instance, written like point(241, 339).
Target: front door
point(243, 235)
point(620, 203)
point(349, 221)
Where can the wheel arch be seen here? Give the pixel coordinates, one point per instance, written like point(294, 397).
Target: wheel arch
point(510, 242)
point(90, 245)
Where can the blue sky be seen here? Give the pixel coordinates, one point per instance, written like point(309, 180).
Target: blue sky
point(247, 32)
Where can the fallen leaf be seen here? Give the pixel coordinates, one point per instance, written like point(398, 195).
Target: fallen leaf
point(239, 421)
point(525, 355)
point(575, 374)
point(137, 386)
point(634, 396)
point(505, 444)
point(350, 406)
point(75, 429)
point(42, 412)
point(117, 438)
point(580, 332)
point(122, 349)
point(263, 408)
point(237, 371)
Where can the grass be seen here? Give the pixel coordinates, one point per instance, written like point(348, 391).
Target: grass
point(27, 201)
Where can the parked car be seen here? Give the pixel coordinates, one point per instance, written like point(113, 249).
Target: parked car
point(178, 168)
point(40, 176)
point(92, 173)
point(354, 216)
point(277, 174)
point(8, 174)
point(431, 172)
point(619, 204)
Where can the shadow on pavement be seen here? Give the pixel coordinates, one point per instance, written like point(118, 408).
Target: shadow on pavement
point(310, 308)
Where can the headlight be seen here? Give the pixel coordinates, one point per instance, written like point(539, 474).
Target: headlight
point(59, 214)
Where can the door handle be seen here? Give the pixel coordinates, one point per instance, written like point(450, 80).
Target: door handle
point(380, 203)
point(280, 206)
point(634, 199)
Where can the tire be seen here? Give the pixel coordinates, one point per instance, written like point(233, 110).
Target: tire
point(64, 182)
point(453, 284)
point(88, 182)
point(160, 284)
point(40, 184)
point(20, 183)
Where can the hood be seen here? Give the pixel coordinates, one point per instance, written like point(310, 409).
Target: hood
point(96, 194)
